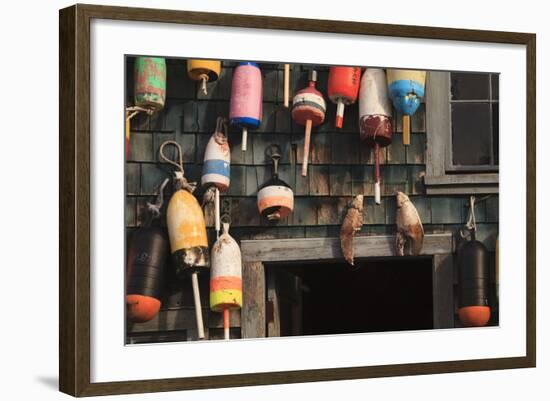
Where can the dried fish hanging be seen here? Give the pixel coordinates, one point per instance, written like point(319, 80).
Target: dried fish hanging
point(149, 90)
point(275, 197)
point(186, 230)
point(226, 276)
point(147, 259)
point(473, 276)
point(351, 225)
point(216, 168)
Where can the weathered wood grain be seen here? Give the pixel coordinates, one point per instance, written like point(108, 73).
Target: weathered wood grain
point(273, 308)
point(183, 319)
point(253, 324)
point(282, 250)
point(443, 294)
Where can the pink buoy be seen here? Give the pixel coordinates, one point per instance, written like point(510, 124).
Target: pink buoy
point(245, 108)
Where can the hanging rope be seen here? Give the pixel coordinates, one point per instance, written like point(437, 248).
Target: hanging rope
point(154, 208)
point(180, 180)
point(470, 225)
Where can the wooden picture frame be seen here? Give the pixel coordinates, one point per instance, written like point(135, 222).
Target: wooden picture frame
point(75, 207)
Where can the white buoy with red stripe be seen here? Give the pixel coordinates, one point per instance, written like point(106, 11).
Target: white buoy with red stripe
point(308, 108)
point(275, 197)
point(375, 117)
point(343, 87)
point(226, 277)
point(245, 106)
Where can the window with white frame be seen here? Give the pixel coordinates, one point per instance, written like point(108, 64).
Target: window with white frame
point(462, 124)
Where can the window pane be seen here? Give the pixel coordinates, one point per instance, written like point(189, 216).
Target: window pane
point(494, 84)
point(495, 132)
point(471, 134)
point(469, 86)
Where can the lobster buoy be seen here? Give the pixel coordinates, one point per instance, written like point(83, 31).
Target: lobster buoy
point(204, 71)
point(343, 87)
point(308, 108)
point(375, 117)
point(149, 89)
point(473, 265)
point(217, 160)
point(226, 277)
point(147, 258)
point(150, 82)
point(406, 89)
point(275, 197)
point(215, 170)
point(245, 106)
point(187, 232)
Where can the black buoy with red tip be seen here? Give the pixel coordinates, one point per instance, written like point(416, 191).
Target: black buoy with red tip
point(473, 276)
point(147, 260)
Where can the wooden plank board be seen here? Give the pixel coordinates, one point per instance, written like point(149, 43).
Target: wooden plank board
point(443, 294)
point(253, 310)
point(273, 314)
point(281, 250)
point(176, 319)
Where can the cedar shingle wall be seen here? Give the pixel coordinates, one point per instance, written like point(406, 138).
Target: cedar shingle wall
point(340, 165)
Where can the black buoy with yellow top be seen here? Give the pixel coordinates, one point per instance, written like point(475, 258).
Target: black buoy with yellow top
point(187, 231)
point(473, 275)
point(147, 259)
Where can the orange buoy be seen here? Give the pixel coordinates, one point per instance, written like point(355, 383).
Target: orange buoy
point(204, 71)
point(343, 88)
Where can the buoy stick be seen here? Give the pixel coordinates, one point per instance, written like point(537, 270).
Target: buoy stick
point(340, 113)
point(287, 84)
point(306, 148)
point(217, 211)
point(244, 139)
point(127, 129)
point(226, 323)
point(198, 309)
point(406, 129)
point(377, 173)
point(203, 84)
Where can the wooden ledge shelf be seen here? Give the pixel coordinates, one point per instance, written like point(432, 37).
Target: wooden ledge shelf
point(303, 249)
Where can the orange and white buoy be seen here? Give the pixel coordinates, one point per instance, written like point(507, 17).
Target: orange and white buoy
point(226, 277)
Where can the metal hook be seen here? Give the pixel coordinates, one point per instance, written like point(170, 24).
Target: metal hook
point(273, 152)
point(165, 159)
point(221, 121)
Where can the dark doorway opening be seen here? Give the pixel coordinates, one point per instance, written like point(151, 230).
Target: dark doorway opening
point(388, 294)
